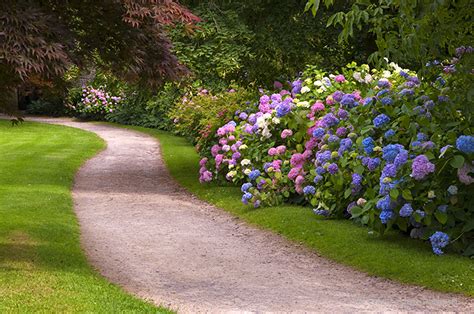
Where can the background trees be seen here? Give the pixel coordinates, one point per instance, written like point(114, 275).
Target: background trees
point(40, 40)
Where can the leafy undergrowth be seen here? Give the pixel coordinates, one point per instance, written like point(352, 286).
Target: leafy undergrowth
point(392, 256)
point(42, 266)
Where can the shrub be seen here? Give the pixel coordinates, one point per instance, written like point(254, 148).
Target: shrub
point(381, 147)
point(47, 107)
point(198, 114)
point(95, 104)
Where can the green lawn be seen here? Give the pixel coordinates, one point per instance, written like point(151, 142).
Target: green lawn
point(392, 256)
point(42, 266)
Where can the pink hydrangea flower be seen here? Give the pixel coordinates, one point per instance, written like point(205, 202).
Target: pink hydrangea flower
point(203, 162)
point(281, 149)
point(330, 100)
point(297, 160)
point(340, 78)
point(272, 151)
point(318, 106)
point(223, 141)
point(286, 133)
point(463, 173)
point(215, 150)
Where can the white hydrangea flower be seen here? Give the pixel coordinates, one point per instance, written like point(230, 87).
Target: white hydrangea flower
point(231, 166)
point(245, 162)
point(231, 174)
point(305, 89)
point(326, 81)
point(226, 148)
point(276, 120)
point(358, 77)
point(266, 133)
point(304, 104)
point(243, 147)
point(247, 171)
point(368, 78)
point(386, 74)
point(318, 83)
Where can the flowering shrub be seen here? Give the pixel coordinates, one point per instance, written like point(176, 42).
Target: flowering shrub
point(199, 114)
point(381, 147)
point(95, 103)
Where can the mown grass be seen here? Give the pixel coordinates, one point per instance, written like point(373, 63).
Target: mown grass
point(392, 256)
point(42, 266)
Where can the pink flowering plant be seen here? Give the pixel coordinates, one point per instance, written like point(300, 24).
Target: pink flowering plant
point(380, 147)
point(95, 103)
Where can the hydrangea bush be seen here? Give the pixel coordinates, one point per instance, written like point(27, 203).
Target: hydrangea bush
point(95, 103)
point(382, 147)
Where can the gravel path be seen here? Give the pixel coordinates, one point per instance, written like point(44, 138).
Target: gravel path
point(146, 234)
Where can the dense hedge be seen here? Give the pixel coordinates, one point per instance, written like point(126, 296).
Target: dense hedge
point(382, 147)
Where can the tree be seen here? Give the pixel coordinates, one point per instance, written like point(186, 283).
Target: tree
point(41, 39)
point(411, 32)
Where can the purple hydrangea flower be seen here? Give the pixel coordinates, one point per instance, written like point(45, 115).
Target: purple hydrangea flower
point(330, 120)
point(309, 189)
point(333, 168)
point(373, 163)
point(421, 167)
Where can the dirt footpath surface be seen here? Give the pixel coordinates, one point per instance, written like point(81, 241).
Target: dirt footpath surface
point(146, 234)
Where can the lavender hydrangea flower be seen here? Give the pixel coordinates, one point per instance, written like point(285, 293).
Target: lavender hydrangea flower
point(373, 163)
point(317, 179)
point(246, 186)
point(330, 120)
point(421, 167)
point(283, 109)
point(309, 189)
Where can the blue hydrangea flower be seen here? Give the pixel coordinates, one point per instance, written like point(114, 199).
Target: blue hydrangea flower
point(330, 120)
point(321, 212)
point(382, 92)
point(381, 120)
point(283, 109)
point(443, 208)
point(389, 134)
point(401, 159)
point(368, 144)
point(309, 189)
point(390, 170)
point(367, 101)
point(429, 105)
point(453, 190)
point(348, 100)
point(406, 92)
point(421, 213)
point(323, 157)
point(333, 139)
point(320, 170)
point(421, 137)
point(319, 133)
point(438, 241)
point(391, 151)
point(246, 186)
point(465, 143)
point(406, 210)
point(386, 101)
point(317, 179)
point(254, 174)
point(383, 83)
point(385, 216)
point(384, 204)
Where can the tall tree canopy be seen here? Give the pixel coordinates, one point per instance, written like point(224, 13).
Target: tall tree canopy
point(40, 39)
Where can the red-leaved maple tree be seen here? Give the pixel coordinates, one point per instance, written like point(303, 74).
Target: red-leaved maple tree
point(40, 39)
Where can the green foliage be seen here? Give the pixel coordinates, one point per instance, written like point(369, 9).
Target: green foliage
point(408, 32)
point(47, 107)
point(260, 41)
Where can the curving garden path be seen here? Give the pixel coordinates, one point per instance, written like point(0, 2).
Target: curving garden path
point(146, 234)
